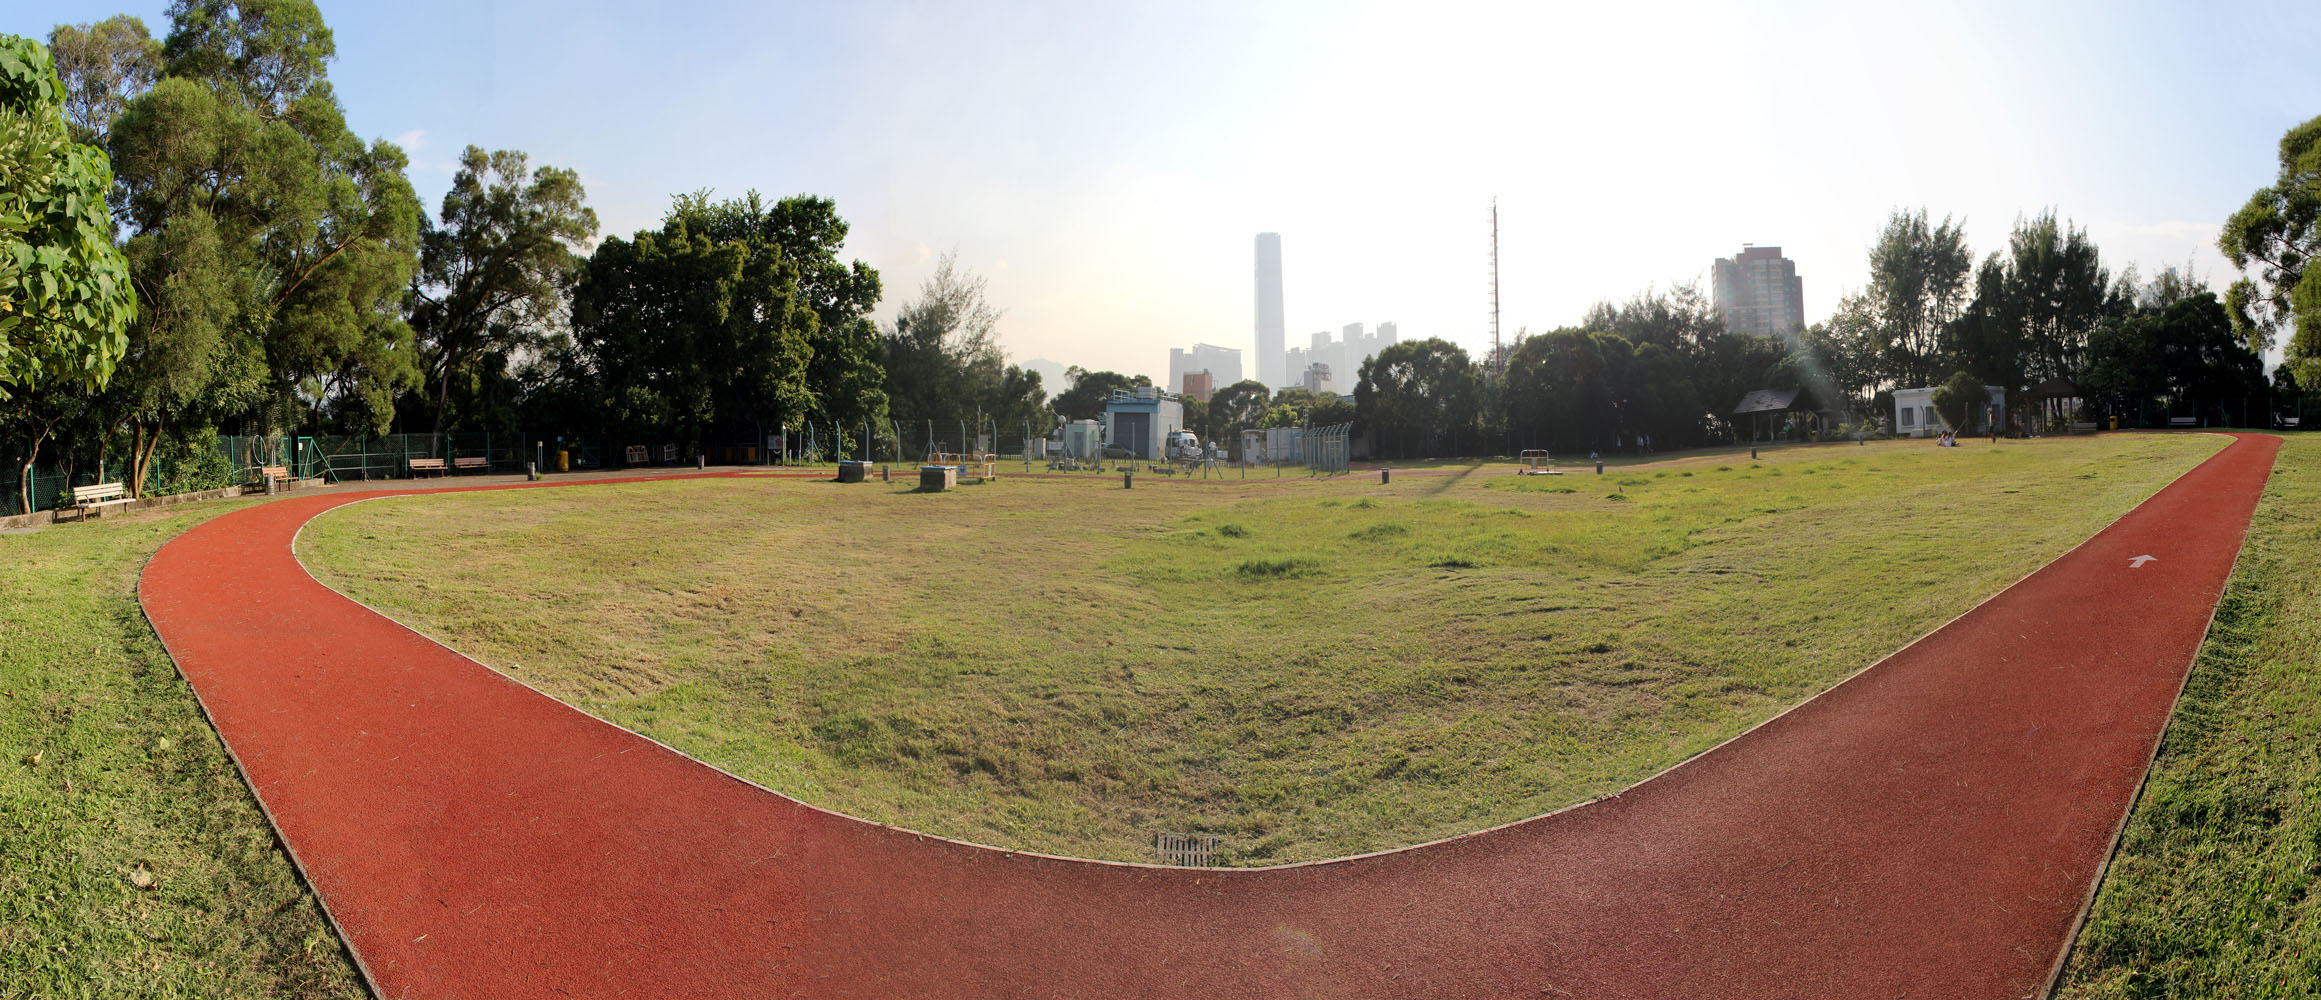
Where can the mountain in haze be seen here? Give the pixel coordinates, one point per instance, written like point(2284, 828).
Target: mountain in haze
point(1051, 374)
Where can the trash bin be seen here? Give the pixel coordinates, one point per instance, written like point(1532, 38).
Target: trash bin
point(564, 461)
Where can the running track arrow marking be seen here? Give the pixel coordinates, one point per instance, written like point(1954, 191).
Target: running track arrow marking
point(2139, 561)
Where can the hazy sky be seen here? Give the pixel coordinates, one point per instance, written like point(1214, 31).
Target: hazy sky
point(1108, 166)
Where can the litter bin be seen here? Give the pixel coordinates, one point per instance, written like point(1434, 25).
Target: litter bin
point(564, 461)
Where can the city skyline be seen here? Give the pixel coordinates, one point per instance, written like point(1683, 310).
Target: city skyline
point(1104, 166)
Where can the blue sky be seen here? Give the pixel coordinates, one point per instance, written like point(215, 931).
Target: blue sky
point(1107, 166)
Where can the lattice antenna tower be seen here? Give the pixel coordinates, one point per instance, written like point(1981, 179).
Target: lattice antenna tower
point(1498, 355)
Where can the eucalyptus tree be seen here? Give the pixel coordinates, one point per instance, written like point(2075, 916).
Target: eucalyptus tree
point(494, 274)
point(2275, 236)
point(1918, 285)
point(273, 246)
point(104, 66)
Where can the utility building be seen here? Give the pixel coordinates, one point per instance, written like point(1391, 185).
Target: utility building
point(1139, 419)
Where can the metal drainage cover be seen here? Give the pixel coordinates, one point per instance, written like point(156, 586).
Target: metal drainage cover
point(1191, 850)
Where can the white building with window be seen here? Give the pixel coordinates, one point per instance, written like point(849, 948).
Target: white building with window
point(1914, 414)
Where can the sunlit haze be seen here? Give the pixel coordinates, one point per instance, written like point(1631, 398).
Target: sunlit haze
point(1107, 167)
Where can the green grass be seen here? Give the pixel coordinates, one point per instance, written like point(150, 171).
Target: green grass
point(1308, 669)
point(2212, 892)
point(110, 775)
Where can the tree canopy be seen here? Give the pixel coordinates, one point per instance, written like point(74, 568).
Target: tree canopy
point(2275, 235)
point(65, 297)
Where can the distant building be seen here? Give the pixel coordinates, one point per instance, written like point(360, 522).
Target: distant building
point(1222, 362)
point(1914, 414)
point(1139, 419)
point(1758, 293)
point(1317, 379)
point(1270, 329)
point(1200, 385)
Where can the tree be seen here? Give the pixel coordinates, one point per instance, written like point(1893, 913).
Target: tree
point(944, 362)
point(693, 328)
point(274, 249)
point(65, 297)
point(104, 66)
point(1420, 398)
point(846, 375)
point(2035, 307)
point(492, 276)
point(2277, 233)
point(1958, 399)
point(1918, 276)
point(1236, 408)
point(1090, 391)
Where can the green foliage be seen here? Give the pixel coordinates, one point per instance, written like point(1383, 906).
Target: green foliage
point(65, 296)
point(273, 248)
point(2185, 359)
point(1236, 408)
point(2035, 308)
point(1918, 285)
point(1420, 399)
point(2277, 233)
point(103, 66)
point(1959, 399)
point(944, 362)
point(493, 276)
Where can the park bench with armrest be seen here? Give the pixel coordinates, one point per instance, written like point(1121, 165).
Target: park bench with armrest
point(477, 463)
point(434, 465)
point(95, 498)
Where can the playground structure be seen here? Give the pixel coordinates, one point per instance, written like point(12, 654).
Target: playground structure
point(1535, 463)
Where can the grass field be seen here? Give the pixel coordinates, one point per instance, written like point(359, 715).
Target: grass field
point(133, 860)
point(1308, 669)
point(2212, 892)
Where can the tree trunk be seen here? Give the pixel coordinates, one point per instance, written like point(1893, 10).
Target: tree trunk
point(24, 472)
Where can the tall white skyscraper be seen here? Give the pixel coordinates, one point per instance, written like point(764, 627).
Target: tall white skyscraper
point(1272, 362)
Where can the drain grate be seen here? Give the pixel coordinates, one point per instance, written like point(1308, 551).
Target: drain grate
point(1192, 850)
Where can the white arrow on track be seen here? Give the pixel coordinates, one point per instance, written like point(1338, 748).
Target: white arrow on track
point(2139, 561)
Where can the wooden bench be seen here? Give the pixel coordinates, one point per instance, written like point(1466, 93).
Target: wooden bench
point(2182, 421)
point(434, 465)
point(95, 498)
point(2083, 427)
point(272, 476)
point(477, 463)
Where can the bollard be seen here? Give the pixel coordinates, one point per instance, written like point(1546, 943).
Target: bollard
point(1127, 479)
point(882, 475)
point(1599, 467)
point(532, 471)
point(1382, 474)
point(700, 462)
point(1752, 453)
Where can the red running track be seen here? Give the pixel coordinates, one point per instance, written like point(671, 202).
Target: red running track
point(1930, 828)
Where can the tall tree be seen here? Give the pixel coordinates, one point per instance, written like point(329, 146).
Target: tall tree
point(944, 361)
point(493, 275)
point(104, 66)
point(1236, 408)
point(2277, 234)
point(1918, 285)
point(65, 299)
point(259, 229)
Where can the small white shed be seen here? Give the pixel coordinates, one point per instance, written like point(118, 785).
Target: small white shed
point(1914, 414)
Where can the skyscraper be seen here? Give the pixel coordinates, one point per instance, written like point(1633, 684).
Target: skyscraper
point(1272, 362)
point(1759, 293)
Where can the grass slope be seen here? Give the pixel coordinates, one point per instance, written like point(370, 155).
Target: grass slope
point(2212, 893)
point(109, 777)
point(1309, 669)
